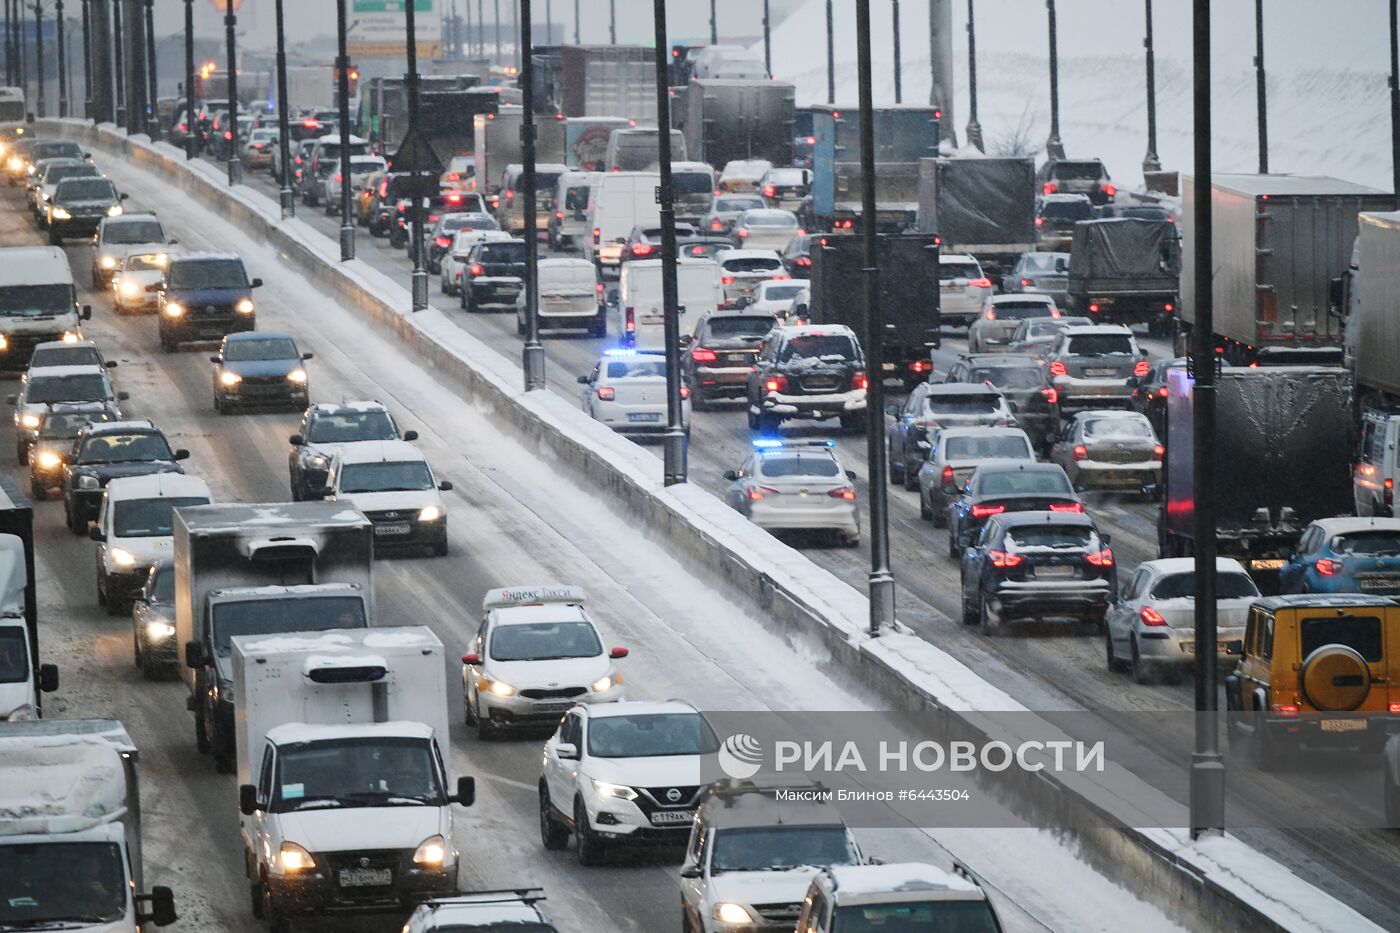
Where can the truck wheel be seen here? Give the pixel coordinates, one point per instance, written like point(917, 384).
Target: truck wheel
point(223, 764)
point(201, 740)
point(553, 834)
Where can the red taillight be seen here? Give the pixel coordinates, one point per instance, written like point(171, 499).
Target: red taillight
point(597, 235)
point(860, 381)
point(558, 215)
point(182, 127)
point(1102, 558)
point(948, 479)
point(1050, 395)
point(685, 392)
point(228, 134)
point(1039, 222)
point(1140, 368)
point(726, 280)
point(742, 234)
point(843, 492)
point(704, 355)
point(780, 277)
point(758, 492)
point(769, 191)
point(339, 178)
point(1150, 616)
point(1049, 188)
point(1004, 561)
point(454, 199)
point(982, 511)
point(510, 195)
point(1158, 451)
point(606, 393)
point(630, 321)
point(1110, 190)
point(1066, 506)
point(1393, 708)
point(921, 366)
point(476, 269)
point(716, 224)
point(453, 176)
point(980, 283)
point(775, 383)
point(402, 208)
point(1026, 283)
point(1162, 392)
point(443, 241)
point(991, 314)
point(1286, 709)
point(1328, 568)
point(642, 249)
point(1094, 309)
point(846, 224)
point(1058, 368)
point(802, 261)
point(811, 140)
point(310, 124)
point(1080, 452)
point(1168, 307)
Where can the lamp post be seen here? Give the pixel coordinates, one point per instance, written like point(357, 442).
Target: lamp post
point(577, 41)
point(342, 64)
point(1260, 89)
point(674, 441)
point(767, 41)
point(153, 86)
point(136, 61)
point(532, 359)
point(881, 581)
point(830, 55)
point(419, 281)
point(1054, 149)
point(62, 60)
point(191, 108)
point(284, 130)
point(235, 161)
point(39, 56)
point(974, 128)
point(612, 21)
point(9, 47)
point(87, 61)
point(119, 57)
point(898, 77)
point(498, 32)
point(714, 25)
point(1150, 162)
point(1395, 95)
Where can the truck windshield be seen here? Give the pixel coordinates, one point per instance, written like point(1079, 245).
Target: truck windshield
point(916, 917)
point(385, 477)
point(350, 426)
point(14, 656)
point(774, 848)
point(84, 387)
point(149, 518)
point(273, 616)
point(650, 735)
point(36, 300)
point(56, 881)
point(545, 641)
point(366, 772)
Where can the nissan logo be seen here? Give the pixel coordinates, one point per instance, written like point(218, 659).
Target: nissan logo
point(364, 862)
point(674, 795)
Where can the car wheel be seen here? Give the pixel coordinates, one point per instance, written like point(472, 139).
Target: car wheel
point(987, 620)
point(954, 551)
point(925, 510)
point(1110, 658)
point(96, 280)
point(468, 303)
point(851, 541)
point(898, 470)
point(223, 764)
point(969, 612)
point(554, 835)
point(1143, 672)
point(485, 728)
point(520, 326)
point(54, 238)
point(101, 591)
point(255, 898)
point(277, 921)
point(590, 847)
point(697, 399)
point(753, 420)
point(769, 424)
point(37, 491)
point(940, 515)
point(219, 405)
point(167, 345)
point(440, 548)
point(21, 454)
point(1267, 756)
point(911, 478)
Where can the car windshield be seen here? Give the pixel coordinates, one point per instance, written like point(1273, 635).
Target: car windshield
point(502, 252)
point(64, 355)
point(1380, 543)
point(763, 264)
point(770, 220)
point(1068, 210)
point(799, 464)
point(261, 348)
point(275, 616)
point(705, 250)
point(14, 655)
point(1024, 482)
point(1054, 536)
point(56, 149)
point(980, 404)
point(348, 427)
point(83, 387)
point(1127, 428)
point(361, 165)
point(729, 205)
point(1010, 377)
point(149, 518)
point(209, 273)
point(724, 326)
point(148, 263)
point(637, 369)
point(776, 848)
point(164, 588)
point(133, 231)
point(356, 772)
point(36, 300)
point(1091, 171)
point(125, 448)
point(85, 189)
point(1020, 310)
point(1042, 262)
point(829, 348)
point(692, 182)
point(916, 917)
point(986, 447)
point(650, 735)
point(66, 425)
point(47, 883)
point(1100, 345)
point(1183, 586)
point(780, 292)
point(57, 173)
point(402, 476)
point(949, 271)
point(1360, 633)
point(544, 641)
point(471, 221)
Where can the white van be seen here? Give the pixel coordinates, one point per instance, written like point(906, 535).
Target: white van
point(693, 190)
point(634, 149)
point(729, 61)
point(568, 225)
point(617, 202)
point(38, 302)
point(1377, 468)
point(568, 296)
point(639, 306)
point(134, 529)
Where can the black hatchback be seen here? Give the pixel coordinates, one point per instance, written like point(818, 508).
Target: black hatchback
point(996, 489)
point(718, 356)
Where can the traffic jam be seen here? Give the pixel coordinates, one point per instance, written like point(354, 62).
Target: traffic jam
point(295, 549)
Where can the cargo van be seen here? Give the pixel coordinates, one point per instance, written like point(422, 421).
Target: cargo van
point(38, 302)
point(639, 306)
point(617, 202)
point(634, 149)
point(693, 190)
point(510, 209)
point(568, 298)
point(568, 225)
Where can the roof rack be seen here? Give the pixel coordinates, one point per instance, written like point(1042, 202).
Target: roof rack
point(530, 895)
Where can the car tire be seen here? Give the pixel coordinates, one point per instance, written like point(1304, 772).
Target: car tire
point(519, 326)
point(96, 281)
point(166, 344)
point(201, 738)
point(969, 612)
point(440, 548)
point(468, 302)
point(590, 847)
point(485, 729)
point(277, 920)
point(753, 419)
point(954, 551)
point(255, 898)
point(21, 453)
point(1143, 673)
point(987, 621)
point(1264, 750)
point(911, 478)
point(698, 401)
point(54, 238)
point(1114, 663)
point(769, 424)
point(897, 470)
point(223, 764)
point(554, 835)
point(37, 491)
point(926, 510)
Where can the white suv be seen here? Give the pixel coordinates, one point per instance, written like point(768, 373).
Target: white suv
point(391, 482)
point(962, 289)
point(133, 530)
point(623, 773)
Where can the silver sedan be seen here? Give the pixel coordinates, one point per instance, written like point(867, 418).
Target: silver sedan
point(627, 392)
point(798, 486)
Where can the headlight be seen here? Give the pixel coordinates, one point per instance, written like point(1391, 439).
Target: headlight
point(49, 461)
point(730, 912)
point(230, 379)
point(317, 462)
point(433, 852)
point(501, 689)
point(21, 713)
point(602, 683)
point(620, 791)
point(61, 213)
point(114, 210)
point(294, 858)
point(129, 288)
point(4, 342)
point(30, 170)
point(159, 631)
point(244, 306)
point(15, 164)
point(29, 421)
point(108, 262)
point(88, 482)
point(70, 336)
point(430, 513)
point(174, 309)
point(298, 376)
point(122, 558)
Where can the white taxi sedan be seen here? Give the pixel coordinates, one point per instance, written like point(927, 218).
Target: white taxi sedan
point(627, 392)
point(796, 486)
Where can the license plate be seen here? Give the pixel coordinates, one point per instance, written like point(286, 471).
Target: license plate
point(644, 416)
point(554, 707)
point(508, 289)
point(1344, 725)
point(365, 877)
point(951, 288)
point(1054, 571)
point(672, 817)
point(1097, 373)
point(888, 367)
point(397, 528)
point(1380, 583)
point(1188, 647)
point(1275, 564)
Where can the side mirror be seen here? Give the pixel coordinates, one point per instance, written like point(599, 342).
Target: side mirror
point(153, 287)
point(307, 356)
point(851, 475)
point(10, 399)
point(1106, 539)
point(247, 799)
point(686, 339)
point(180, 453)
point(690, 871)
point(162, 909)
point(123, 396)
point(256, 283)
point(194, 654)
point(466, 791)
point(48, 678)
point(297, 440)
point(445, 486)
point(172, 241)
point(892, 410)
point(582, 380)
point(410, 435)
point(472, 658)
point(566, 751)
point(1142, 352)
point(1050, 438)
point(110, 364)
point(85, 313)
point(731, 475)
point(123, 197)
point(1287, 552)
point(617, 653)
point(95, 534)
point(216, 358)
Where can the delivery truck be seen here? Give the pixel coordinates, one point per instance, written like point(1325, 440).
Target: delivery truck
point(903, 136)
point(1279, 242)
point(249, 569)
point(607, 81)
point(1125, 270)
point(23, 679)
point(70, 830)
point(586, 141)
point(979, 207)
point(497, 145)
point(447, 108)
point(732, 119)
point(341, 742)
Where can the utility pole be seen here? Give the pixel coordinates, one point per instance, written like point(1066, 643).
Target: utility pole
point(87, 61)
point(1395, 95)
point(612, 22)
point(1150, 162)
point(714, 25)
point(480, 29)
point(498, 32)
point(235, 161)
point(830, 55)
point(577, 20)
point(153, 121)
point(532, 354)
point(62, 60)
point(881, 581)
point(674, 452)
point(898, 76)
point(284, 127)
point(419, 281)
point(119, 57)
point(1054, 149)
point(1260, 87)
point(974, 129)
point(191, 108)
point(342, 94)
point(767, 41)
point(39, 56)
point(515, 33)
point(9, 47)
point(1207, 785)
point(136, 63)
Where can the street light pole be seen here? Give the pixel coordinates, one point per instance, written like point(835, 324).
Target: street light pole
point(284, 128)
point(153, 120)
point(498, 32)
point(830, 55)
point(119, 60)
point(1395, 95)
point(419, 281)
point(39, 55)
point(767, 41)
point(974, 128)
point(1261, 91)
point(1054, 149)
point(714, 25)
point(532, 359)
point(675, 469)
point(1150, 162)
point(881, 581)
point(342, 93)
point(9, 47)
point(577, 20)
point(898, 77)
point(62, 60)
point(612, 22)
point(191, 109)
point(235, 162)
point(87, 61)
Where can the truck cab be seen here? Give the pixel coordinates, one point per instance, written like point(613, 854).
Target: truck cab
point(38, 302)
point(19, 687)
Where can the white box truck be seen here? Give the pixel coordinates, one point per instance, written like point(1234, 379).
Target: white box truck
point(261, 569)
point(70, 830)
point(641, 320)
point(617, 202)
point(342, 738)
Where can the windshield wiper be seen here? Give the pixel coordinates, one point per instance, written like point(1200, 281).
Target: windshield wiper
point(388, 798)
point(312, 803)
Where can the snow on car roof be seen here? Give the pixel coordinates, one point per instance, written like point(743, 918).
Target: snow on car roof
point(156, 485)
point(902, 878)
point(1082, 329)
point(750, 254)
point(638, 708)
point(336, 408)
point(256, 517)
point(80, 369)
point(381, 452)
point(294, 732)
point(1022, 298)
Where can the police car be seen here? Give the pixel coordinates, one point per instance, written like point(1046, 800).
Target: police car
point(627, 392)
point(796, 486)
point(482, 912)
point(536, 654)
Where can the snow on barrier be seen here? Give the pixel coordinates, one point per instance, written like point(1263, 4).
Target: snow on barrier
point(1210, 884)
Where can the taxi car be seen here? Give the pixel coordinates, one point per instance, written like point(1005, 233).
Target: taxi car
point(627, 392)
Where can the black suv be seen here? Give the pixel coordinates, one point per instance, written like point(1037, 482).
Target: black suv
point(324, 428)
point(1022, 380)
point(996, 489)
point(716, 358)
point(495, 274)
point(1077, 176)
point(104, 451)
point(79, 205)
point(814, 371)
point(1150, 392)
point(1037, 565)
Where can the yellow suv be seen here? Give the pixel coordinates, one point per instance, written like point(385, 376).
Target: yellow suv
point(1308, 656)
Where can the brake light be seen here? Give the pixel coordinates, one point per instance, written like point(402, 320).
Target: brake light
point(685, 391)
point(1058, 368)
point(1168, 307)
point(310, 123)
point(743, 234)
point(726, 280)
point(339, 178)
point(597, 235)
point(1039, 222)
point(228, 134)
point(775, 383)
point(1050, 395)
point(454, 199)
point(982, 511)
point(1026, 283)
point(811, 140)
point(182, 127)
point(1158, 451)
point(980, 283)
point(606, 393)
point(641, 249)
point(769, 191)
point(443, 241)
point(1150, 616)
point(402, 208)
point(1328, 568)
point(704, 355)
point(1004, 561)
point(1286, 709)
point(1049, 188)
point(843, 492)
point(1080, 453)
point(1094, 309)
point(1162, 392)
point(948, 478)
point(510, 195)
point(860, 381)
point(716, 224)
point(1102, 558)
point(558, 215)
point(1109, 190)
point(991, 314)
point(1066, 506)
point(453, 176)
point(1140, 368)
point(846, 224)
point(780, 277)
point(802, 261)
point(476, 269)
point(921, 366)
point(758, 492)
point(631, 321)
point(1393, 708)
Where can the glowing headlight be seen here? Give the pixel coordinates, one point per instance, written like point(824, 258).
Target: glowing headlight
point(4, 342)
point(602, 683)
point(430, 513)
point(61, 213)
point(160, 259)
point(122, 558)
point(88, 482)
point(15, 164)
point(501, 689)
point(433, 852)
point(30, 170)
point(129, 288)
point(244, 306)
point(620, 791)
point(230, 379)
point(294, 858)
point(29, 421)
point(70, 336)
point(298, 376)
point(159, 631)
point(108, 262)
point(114, 210)
point(174, 309)
point(49, 461)
point(729, 912)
